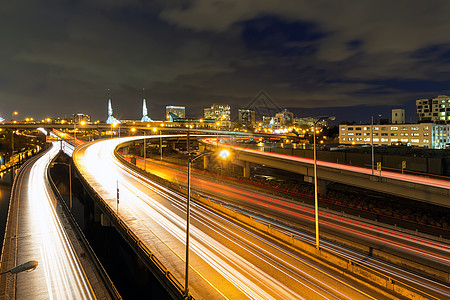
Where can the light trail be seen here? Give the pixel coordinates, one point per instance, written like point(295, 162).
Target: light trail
point(387, 174)
point(237, 269)
point(42, 237)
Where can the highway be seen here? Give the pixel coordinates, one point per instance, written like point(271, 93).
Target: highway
point(35, 232)
point(236, 194)
point(228, 260)
point(432, 182)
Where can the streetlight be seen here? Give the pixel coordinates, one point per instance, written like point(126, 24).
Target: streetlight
point(82, 123)
point(114, 125)
point(28, 266)
point(223, 154)
point(316, 198)
point(15, 113)
point(70, 181)
point(145, 155)
point(371, 140)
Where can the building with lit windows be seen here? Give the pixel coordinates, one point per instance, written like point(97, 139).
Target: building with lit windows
point(179, 111)
point(219, 112)
point(435, 110)
point(247, 116)
point(285, 118)
point(428, 135)
point(77, 118)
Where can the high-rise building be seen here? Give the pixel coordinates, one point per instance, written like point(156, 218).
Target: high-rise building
point(398, 116)
point(436, 110)
point(78, 117)
point(179, 111)
point(247, 116)
point(219, 112)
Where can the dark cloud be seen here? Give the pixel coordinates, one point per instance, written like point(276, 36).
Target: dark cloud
point(59, 57)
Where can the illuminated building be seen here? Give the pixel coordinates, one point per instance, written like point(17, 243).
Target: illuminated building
point(220, 113)
point(179, 111)
point(427, 135)
point(435, 110)
point(78, 117)
point(285, 118)
point(247, 116)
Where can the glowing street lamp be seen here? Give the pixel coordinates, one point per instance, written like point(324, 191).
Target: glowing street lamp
point(316, 198)
point(222, 154)
point(82, 123)
point(15, 113)
point(28, 266)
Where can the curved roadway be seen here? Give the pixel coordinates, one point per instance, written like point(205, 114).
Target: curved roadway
point(227, 259)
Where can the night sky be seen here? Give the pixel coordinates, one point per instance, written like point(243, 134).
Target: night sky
point(314, 57)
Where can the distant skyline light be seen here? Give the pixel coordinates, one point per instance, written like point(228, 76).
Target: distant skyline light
point(351, 59)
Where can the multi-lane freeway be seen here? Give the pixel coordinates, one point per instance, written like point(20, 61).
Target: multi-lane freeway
point(35, 232)
point(231, 192)
point(228, 259)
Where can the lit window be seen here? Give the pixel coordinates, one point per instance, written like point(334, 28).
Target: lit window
point(394, 128)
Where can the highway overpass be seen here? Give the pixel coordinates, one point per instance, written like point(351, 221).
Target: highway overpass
point(430, 190)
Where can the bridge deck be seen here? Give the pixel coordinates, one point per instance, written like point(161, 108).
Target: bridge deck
point(36, 232)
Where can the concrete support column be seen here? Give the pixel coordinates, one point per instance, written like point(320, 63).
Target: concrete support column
point(205, 162)
point(141, 149)
point(322, 185)
point(246, 169)
point(97, 214)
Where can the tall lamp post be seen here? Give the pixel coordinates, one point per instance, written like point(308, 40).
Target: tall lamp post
point(224, 154)
point(316, 198)
point(371, 141)
point(75, 131)
point(15, 113)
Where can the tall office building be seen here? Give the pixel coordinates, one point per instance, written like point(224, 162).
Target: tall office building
point(436, 110)
point(179, 111)
point(77, 118)
point(219, 112)
point(247, 116)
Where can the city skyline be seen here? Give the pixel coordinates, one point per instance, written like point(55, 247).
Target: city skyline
point(351, 61)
